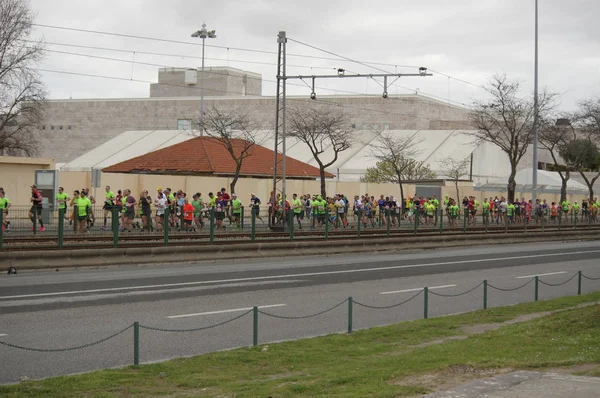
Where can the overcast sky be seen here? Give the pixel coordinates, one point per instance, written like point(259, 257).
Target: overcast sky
point(466, 39)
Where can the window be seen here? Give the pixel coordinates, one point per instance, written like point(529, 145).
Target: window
point(52, 128)
point(184, 124)
point(43, 127)
point(386, 126)
point(353, 126)
point(60, 128)
point(69, 127)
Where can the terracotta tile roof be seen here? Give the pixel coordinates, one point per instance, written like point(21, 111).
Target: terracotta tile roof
point(207, 156)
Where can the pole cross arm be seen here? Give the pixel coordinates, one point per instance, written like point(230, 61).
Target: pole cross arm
point(357, 75)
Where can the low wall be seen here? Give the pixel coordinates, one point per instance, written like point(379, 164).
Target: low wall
point(187, 254)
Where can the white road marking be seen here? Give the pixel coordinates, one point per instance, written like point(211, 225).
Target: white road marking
point(417, 289)
point(224, 311)
point(533, 276)
point(3, 335)
point(350, 271)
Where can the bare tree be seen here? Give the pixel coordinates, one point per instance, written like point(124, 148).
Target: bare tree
point(399, 154)
point(583, 152)
point(321, 130)
point(554, 137)
point(456, 169)
point(235, 132)
point(22, 93)
point(506, 120)
point(384, 171)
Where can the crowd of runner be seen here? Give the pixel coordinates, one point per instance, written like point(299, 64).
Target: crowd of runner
point(190, 212)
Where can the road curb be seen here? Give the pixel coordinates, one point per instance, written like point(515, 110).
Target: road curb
point(69, 258)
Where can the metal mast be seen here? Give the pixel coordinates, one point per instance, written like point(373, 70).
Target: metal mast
point(535, 114)
point(279, 161)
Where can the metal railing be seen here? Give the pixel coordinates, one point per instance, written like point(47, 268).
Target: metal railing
point(256, 311)
point(23, 226)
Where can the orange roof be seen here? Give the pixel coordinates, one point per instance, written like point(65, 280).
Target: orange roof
point(206, 155)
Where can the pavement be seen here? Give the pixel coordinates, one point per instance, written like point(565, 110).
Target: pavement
point(62, 309)
point(526, 385)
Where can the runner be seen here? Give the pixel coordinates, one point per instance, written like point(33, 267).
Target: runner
point(161, 204)
point(236, 215)
point(453, 210)
point(84, 204)
point(255, 206)
point(576, 207)
point(188, 215)
point(510, 211)
point(198, 205)
point(75, 210)
point(129, 203)
point(220, 212)
point(109, 204)
point(226, 200)
point(36, 208)
point(565, 209)
point(61, 199)
point(91, 217)
point(341, 211)
point(486, 211)
point(4, 206)
point(146, 212)
point(297, 207)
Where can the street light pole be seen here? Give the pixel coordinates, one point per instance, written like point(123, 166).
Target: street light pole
point(535, 115)
point(203, 34)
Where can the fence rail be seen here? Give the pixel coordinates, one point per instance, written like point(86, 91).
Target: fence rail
point(255, 311)
point(23, 227)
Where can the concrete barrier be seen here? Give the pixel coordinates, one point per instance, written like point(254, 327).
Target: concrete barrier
point(91, 257)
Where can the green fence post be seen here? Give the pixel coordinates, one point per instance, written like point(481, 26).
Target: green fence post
point(255, 326)
point(560, 213)
point(485, 294)
point(212, 225)
point(292, 213)
point(75, 221)
point(242, 218)
point(327, 221)
point(537, 281)
point(425, 302)
point(388, 219)
point(166, 224)
point(359, 222)
point(253, 231)
point(579, 283)
point(349, 314)
point(61, 226)
point(1, 226)
point(114, 220)
point(465, 211)
point(136, 343)
point(441, 218)
point(575, 222)
point(416, 220)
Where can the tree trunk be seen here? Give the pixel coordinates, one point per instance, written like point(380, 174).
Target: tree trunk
point(401, 194)
point(322, 172)
point(512, 184)
point(563, 186)
point(235, 178)
point(457, 195)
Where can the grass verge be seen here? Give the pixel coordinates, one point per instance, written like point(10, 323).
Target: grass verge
point(405, 359)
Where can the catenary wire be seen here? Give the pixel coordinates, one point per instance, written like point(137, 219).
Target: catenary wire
point(369, 64)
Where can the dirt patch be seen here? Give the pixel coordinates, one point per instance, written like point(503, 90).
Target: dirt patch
point(581, 369)
point(486, 327)
point(449, 378)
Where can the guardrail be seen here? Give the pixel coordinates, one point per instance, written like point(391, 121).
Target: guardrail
point(62, 228)
point(255, 311)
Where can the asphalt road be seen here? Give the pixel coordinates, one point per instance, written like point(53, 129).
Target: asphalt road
point(67, 308)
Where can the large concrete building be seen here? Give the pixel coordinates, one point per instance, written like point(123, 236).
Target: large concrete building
point(73, 127)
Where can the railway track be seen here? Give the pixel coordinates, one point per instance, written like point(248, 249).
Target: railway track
point(132, 240)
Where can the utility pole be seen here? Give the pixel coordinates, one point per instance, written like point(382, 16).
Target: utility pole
point(535, 115)
point(279, 171)
point(203, 34)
